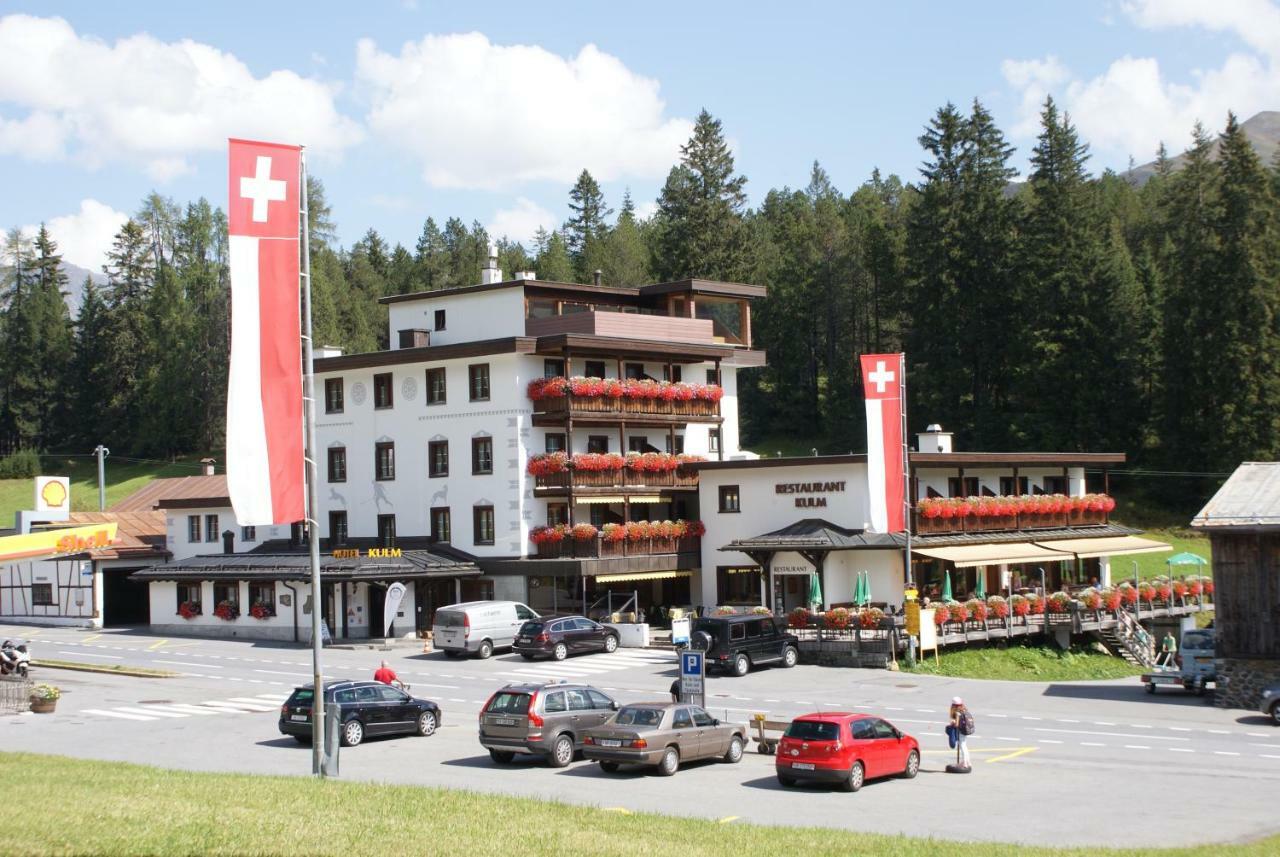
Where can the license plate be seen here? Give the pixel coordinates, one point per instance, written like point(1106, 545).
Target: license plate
point(802, 766)
point(504, 721)
point(610, 742)
point(299, 717)
point(523, 640)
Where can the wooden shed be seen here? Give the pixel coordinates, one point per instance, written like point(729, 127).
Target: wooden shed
point(1243, 524)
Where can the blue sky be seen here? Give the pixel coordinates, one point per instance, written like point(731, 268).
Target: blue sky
point(487, 111)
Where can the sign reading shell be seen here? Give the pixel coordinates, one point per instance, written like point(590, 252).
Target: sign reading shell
point(811, 488)
point(53, 494)
point(47, 543)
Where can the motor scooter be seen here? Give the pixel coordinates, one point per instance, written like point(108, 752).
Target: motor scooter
point(14, 659)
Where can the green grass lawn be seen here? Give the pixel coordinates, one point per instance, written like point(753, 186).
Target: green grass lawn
point(123, 478)
point(1025, 663)
point(113, 808)
point(1153, 564)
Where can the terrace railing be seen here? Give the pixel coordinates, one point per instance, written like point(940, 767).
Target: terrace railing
point(601, 548)
point(681, 477)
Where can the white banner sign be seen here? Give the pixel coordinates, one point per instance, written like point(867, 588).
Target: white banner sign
point(395, 594)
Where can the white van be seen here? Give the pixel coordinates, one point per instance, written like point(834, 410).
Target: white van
point(478, 627)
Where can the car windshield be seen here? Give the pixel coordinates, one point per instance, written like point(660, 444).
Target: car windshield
point(638, 717)
point(449, 619)
point(301, 697)
point(813, 730)
point(504, 702)
point(529, 629)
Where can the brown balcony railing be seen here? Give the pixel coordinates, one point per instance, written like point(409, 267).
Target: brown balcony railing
point(600, 548)
point(681, 477)
point(925, 526)
point(609, 406)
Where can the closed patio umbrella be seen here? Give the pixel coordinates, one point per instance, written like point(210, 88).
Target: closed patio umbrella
point(815, 590)
point(866, 587)
point(946, 586)
point(981, 589)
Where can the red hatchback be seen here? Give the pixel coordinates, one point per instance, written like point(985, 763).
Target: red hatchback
point(845, 749)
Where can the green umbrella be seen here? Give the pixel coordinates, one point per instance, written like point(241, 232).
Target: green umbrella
point(980, 590)
point(1186, 559)
point(857, 590)
point(815, 590)
point(946, 587)
point(866, 587)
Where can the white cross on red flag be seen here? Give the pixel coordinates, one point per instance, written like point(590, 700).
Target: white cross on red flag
point(264, 387)
point(882, 388)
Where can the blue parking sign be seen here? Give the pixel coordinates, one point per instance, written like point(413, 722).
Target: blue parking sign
point(692, 681)
point(691, 663)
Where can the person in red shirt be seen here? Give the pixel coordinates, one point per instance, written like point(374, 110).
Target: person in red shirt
point(386, 675)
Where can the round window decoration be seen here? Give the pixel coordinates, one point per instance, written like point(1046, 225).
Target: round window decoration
point(358, 392)
point(409, 389)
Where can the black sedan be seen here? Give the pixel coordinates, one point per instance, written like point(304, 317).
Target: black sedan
point(559, 638)
point(364, 708)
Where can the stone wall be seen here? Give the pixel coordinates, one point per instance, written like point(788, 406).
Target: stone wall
point(1240, 682)
point(845, 653)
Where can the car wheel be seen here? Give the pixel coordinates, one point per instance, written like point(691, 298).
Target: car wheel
point(352, 733)
point(741, 665)
point(1275, 714)
point(427, 722)
point(854, 781)
point(734, 754)
point(526, 656)
point(670, 762)
point(561, 752)
point(610, 643)
point(790, 657)
point(304, 740)
point(785, 782)
point(609, 767)
point(485, 650)
point(913, 765)
point(1151, 687)
point(502, 757)
point(560, 652)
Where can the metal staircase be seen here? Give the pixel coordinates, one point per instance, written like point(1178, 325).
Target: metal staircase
point(1129, 640)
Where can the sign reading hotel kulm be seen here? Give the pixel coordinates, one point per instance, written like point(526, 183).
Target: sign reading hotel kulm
point(809, 488)
point(371, 553)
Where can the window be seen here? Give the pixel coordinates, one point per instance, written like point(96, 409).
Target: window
point(248, 534)
point(382, 390)
point(713, 376)
point(862, 730)
point(1008, 488)
point(555, 703)
point(598, 699)
point(713, 440)
point(440, 525)
point(678, 449)
point(640, 511)
point(524, 614)
point(439, 319)
point(481, 455)
point(599, 514)
point(883, 730)
point(193, 528)
point(578, 700)
point(755, 629)
point(412, 338)
point(435, 386)
point(391, 694)
point(595, 369)
point(555, 442)
point(634, 371)
point(671, 373)
point(682, 719)
point(337, 529)
point(263, 595)
point(557, 514)
point(482, 524)
point(738, 631)
point(387, 531)
point(738, 585)
point(478, 382)
point(598, 443)
point(637, 443)
point(337, 464)
point(438, 458)
point(552, 368)
point(211, 531)
point(333, 402)
point(1054, 485)
point(189, 593)
point(729, 501)
point(968, 487)
point(298, 533)
point(702, 718)
point(227, 593)
point(384, 466)
point(42, 595)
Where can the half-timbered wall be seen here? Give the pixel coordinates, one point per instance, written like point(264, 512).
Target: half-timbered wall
point(70, 585)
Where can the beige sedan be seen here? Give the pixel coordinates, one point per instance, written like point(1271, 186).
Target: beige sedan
point(662, 734)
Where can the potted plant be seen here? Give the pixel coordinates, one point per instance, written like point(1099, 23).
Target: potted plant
point(941, 615)
point(44, 698)
point(189, 609)
point(226, 611)
point(799, 618)
point(837, 618)
point(998, 607)
point(261, 610)
point(870, 618)
point(1058, 602)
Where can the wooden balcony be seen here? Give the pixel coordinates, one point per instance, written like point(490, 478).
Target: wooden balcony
point(627, 325)
point(600, 548)
point(589, 408)
point(618, 480)
point(923, 526)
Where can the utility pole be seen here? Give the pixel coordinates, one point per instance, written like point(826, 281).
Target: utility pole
point(102, 452)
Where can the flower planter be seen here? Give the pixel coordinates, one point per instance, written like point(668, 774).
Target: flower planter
point(43, 706)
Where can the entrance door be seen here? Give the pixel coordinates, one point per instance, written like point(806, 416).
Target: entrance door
point(430, 596)
point(377, 608)
point(124, 601)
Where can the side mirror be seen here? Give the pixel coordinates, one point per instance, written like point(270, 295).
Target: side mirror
point(715, 722)
point(614, 705)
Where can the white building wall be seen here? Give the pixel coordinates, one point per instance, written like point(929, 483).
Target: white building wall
point(75, 588)
point(179, 543)
point(989, 477)
point(469, 317)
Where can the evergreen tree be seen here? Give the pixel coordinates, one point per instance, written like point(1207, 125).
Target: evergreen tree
point(431, 256)
point(89, 371)
point(626, 256)
point(130, 276)
point(553, 262)
point(585, 230)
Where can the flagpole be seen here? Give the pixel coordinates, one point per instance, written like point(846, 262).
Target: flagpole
point(311, 524)
point(906, 466)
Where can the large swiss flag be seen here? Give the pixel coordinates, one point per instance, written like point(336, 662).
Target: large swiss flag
point(882, 387)
point(264, 388)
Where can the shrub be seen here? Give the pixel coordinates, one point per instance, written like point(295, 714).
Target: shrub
point(998, 607)
point(977, 609)
point(761, 611)
point(45, 692)
point(1019, 605)
point(583, 532)
point(799, 618)
point(941, 615)
point(23, 464)
point(837, 618)
point(870, 618)
point(725, 611)
point(958, 611)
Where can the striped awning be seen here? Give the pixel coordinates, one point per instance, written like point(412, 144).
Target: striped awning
point(1113, 546)
point(618, 498)
point(968, 556)
point(642, 575)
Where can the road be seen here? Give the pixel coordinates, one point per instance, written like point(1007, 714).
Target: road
point(1096, 763)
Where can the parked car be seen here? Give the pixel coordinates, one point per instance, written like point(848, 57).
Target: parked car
point(546, 720)
point(844, 749)
point(364, 708)
point(559, 638)
point(1271, 703)
point(665, 735)
point(735, 644)
point(478, 627)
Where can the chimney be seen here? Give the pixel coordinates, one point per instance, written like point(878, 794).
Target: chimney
point(491, 273)
point(323, 351)
point(206, 465)
point(228, 541)
point(933, 439)
point(597, 276)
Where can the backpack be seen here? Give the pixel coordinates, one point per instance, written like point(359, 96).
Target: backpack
point(967, 726)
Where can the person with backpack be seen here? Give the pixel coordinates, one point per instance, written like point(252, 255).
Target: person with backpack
point(962, 726)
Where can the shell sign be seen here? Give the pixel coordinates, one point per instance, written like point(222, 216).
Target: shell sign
point(53, 494)
point(59, 542)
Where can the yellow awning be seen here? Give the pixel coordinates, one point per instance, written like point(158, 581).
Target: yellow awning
point(642, 575)
point(599, 500)
point(1107, 546)
point(968, 556)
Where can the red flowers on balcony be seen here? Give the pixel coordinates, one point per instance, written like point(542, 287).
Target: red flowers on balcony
point(1025, 504)
point(598, 462)
point(634, 531)
point(630, 388)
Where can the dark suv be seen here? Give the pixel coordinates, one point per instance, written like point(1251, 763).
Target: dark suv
point(559, 638)
point(735, 644)
point(364, 708)
point(545, 720)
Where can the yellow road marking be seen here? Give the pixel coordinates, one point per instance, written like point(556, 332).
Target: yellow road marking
point(90, 638)
point(158, 644)
point(727, 819)
point(1021, 751)
point(621, 809)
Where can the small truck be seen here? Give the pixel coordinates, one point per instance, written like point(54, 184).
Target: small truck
point(1192, 668)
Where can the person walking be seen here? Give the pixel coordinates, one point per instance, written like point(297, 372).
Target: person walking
point(1168, 648)
point(962, 728)
point(675, 690)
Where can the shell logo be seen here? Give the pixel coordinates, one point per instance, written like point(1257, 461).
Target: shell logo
point(54, 494)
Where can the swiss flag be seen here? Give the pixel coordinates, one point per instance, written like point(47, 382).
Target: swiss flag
point(882, 388)
point(264, 387)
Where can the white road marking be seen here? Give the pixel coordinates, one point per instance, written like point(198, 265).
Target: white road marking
point(185, 708)
point(773, 700)
point(1026, 717)
point(1257, 734)
point(187, 664)
point(277, 672)
point(150, 711)
point(274, 696)
point(1002, 738)
point(1103, 723)
point(92, 655)
point(238, 706)
point(446, 686)
point(1136, 747)
point(104, 713)
point(1267, 756)
point(1110, 734)
point(1138, 726)
point(997, 715)
point(250, 699)
point(1268, 746)
point(1224, 753)
point(1065, 720)
point(1091, 744)
point(1180, 728)
point(1181, 750)
point(452, 699)
point(1219, 731)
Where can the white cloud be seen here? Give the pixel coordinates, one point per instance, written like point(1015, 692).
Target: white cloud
point(85, 237)
point(1133, 106)
point(521, 221)
point(646, 209)
point(144, 101)
point(480, 115)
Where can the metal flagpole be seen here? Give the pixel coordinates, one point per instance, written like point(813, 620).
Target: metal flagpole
point(906, 465)
point(312, 504)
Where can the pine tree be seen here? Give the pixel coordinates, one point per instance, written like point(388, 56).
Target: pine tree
point(130, 277)
point(89, 371)
point(626, 256)
point(586, 227)
point(431, 256)
point(50, 346)
point(553, 262)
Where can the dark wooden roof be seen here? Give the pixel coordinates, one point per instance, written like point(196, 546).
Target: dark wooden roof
point(816, 534)
point(693, 286)
point(268, 562)
point(177, 492)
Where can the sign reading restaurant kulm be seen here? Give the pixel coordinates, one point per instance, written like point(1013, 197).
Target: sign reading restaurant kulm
point(809, 488)
point(371, 553)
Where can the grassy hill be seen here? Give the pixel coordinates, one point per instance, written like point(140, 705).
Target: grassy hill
point(123, 477)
